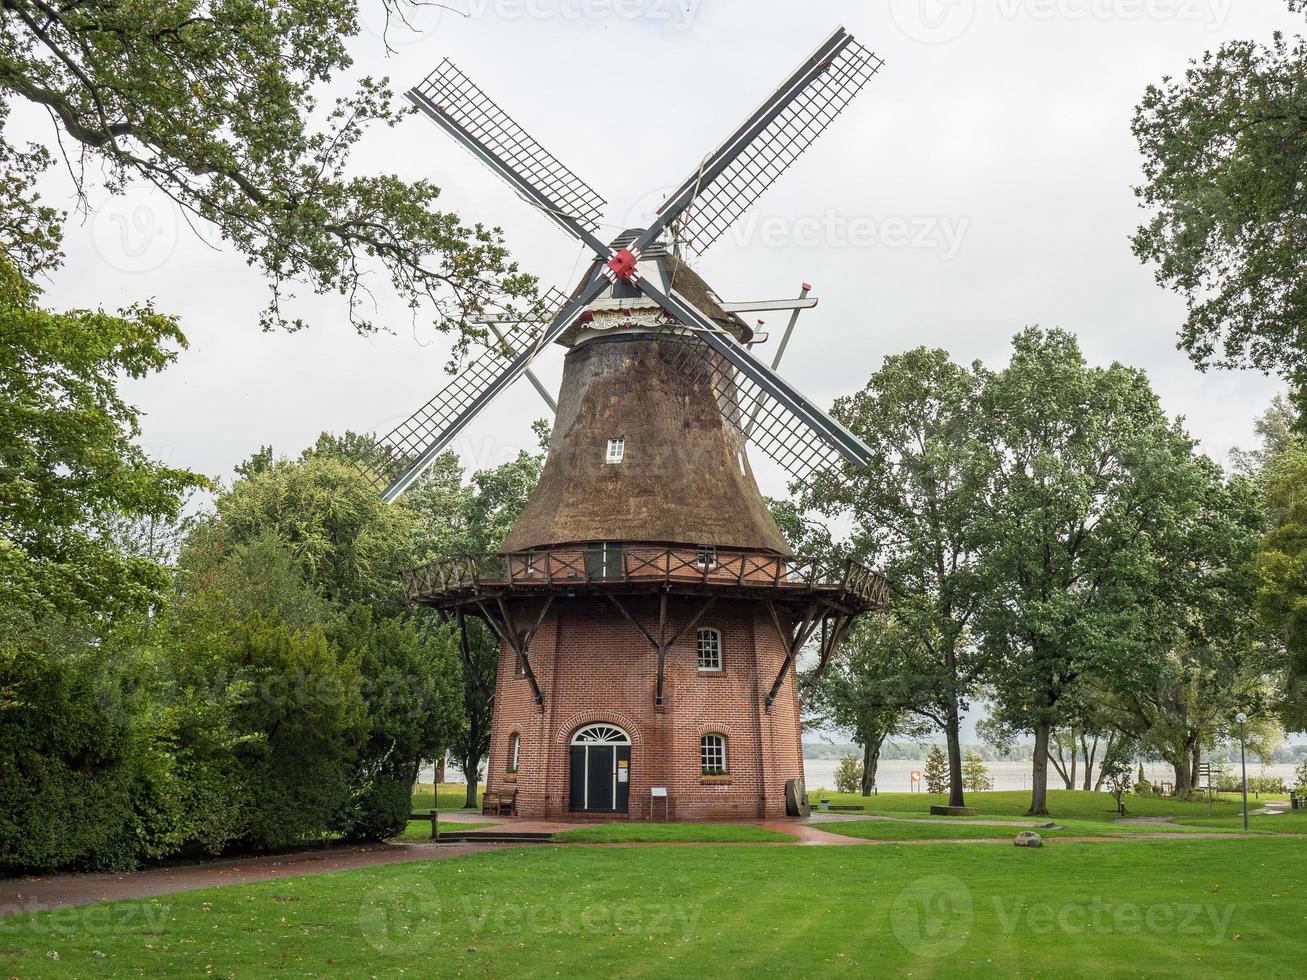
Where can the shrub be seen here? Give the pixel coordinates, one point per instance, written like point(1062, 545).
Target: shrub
point(1300, 777)
point(975, 775)
point(377, 810)
point(65, 761)
point(936, 771)
point(848, 775)
point(307, 708)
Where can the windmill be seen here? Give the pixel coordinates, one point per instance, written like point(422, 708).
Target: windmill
point(648, 610)
point(774, 415)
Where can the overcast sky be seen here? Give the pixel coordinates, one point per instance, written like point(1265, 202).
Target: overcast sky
point(981, 183)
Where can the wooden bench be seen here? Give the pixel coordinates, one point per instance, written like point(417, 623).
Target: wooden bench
point(499, 804)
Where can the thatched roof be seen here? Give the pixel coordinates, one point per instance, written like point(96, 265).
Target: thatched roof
point(684, 479)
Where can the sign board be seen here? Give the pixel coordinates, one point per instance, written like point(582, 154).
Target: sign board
point(658, 791)
point(916, 775)
point(622, 774)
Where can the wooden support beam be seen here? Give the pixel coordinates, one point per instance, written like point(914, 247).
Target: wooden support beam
point(508, 633)
point(830, 643)
point(663, 643)
point(793, 642)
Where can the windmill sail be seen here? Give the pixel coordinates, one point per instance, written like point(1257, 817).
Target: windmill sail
point(733, 178)
point(413, 444)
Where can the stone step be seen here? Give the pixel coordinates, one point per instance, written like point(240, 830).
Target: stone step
point(493, 837)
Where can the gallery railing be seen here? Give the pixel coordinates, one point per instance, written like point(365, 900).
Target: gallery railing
point(634, 565)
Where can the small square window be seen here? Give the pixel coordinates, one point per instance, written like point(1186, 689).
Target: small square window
point(710, 650)
point(616, 450)
point(707, 558)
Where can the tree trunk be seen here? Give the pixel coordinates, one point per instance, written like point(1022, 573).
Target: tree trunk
point(1107, 754)
point(1090, 751)
point(470, 766)
point(870, 761)
point(1039, 772)
point(1195, 778)
point(440, 769)
point(1058, 762)
point(952, 734)
point(1180, 763)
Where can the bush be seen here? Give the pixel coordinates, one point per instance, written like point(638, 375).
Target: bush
point(307, 708)
point(1300, 777)
point(379, 810)
point(975, 775)
point(1256, 784)
point(65, 761)
point(936, 771)
point(848, 775)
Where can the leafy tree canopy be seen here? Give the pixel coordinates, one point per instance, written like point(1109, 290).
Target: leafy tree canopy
point(1224, 158)
point(1281, 574)
point(216, 103)
point(70, 468)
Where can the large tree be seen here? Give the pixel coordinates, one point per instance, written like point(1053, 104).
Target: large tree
point(1225, 154)
point(1092, 478)
point(1204, 625)
point(874, 689)
point(919, 514)
point(216, 103)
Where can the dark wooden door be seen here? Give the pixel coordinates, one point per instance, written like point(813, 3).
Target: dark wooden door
point(600, 779)
point(601, 770)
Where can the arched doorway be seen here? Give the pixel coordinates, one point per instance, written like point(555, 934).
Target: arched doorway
point(601, 770)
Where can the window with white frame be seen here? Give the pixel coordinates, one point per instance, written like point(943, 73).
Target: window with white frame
point(710, 649)
point(616, 450)
point(712, 755)
point(530, 563)
point(514, 752)
point(707, 557)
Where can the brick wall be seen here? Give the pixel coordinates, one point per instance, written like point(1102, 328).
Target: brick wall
point(594, 666)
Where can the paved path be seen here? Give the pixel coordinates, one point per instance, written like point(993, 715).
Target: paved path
point(30, 894)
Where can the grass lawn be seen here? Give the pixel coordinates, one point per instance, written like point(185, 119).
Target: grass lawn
point(452, 796)
point(953, 830)
point(1062, 804)
point(1294, 822)
point(679, 833)
point(419, 831)
point(1210, 908)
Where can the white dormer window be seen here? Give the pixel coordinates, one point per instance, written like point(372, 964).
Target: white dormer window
point(616, 450)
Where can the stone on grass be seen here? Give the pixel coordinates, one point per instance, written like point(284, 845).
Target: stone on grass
point(1028, 838)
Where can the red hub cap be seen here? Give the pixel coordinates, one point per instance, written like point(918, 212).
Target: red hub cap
point(623, 265)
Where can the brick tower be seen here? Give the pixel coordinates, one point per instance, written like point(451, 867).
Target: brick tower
point(648, 609)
